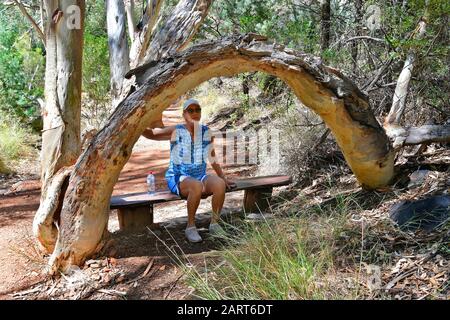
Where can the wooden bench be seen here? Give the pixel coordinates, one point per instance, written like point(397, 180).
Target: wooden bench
point(135, 210)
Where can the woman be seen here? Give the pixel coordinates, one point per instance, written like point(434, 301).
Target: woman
point(191, 144)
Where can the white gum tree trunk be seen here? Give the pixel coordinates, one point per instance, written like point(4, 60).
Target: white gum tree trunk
point(118, 47)
point(399, 135)
point(61, 113)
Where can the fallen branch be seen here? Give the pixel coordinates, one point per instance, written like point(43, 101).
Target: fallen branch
point(150, 265)
point(401, 137)
point(113, 292)
point(172, 286)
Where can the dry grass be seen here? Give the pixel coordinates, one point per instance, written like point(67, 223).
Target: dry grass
point(29, 249)
point(329, 243)
point(17, 145)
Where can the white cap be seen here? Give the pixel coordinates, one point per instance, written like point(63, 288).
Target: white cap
point(188, 102)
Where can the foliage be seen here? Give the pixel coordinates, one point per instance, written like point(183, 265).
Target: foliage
point(270, 260)
point(21, 67)
point(17, 142)
point(278, 20)
point(96, 72)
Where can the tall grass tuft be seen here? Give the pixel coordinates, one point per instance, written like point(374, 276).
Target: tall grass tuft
point(265, 261)
point(16, 143)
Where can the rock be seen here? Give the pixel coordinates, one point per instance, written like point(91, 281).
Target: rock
point(417, 178)
point(106, 278)
point(112, 253)
point(426, 214)
point(89, 262)
point(96, 277)
point(259, 216)
point(95, 265)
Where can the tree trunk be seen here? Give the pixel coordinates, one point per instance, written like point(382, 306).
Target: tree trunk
point(118, 47)
point(129, 8)
point(325, 90)
point(176, 33)
point(400, 136)
point(146, 27)
point(61, 113)
point(358, 32)
point(325, 23)
point(181, 26)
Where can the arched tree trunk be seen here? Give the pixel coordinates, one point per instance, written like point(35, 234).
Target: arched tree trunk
point(61, 113)
point(337, 100)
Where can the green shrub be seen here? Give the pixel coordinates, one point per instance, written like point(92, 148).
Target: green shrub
point(265, 261)
point(16, 143)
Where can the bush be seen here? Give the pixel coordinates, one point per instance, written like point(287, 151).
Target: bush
point(265, 261)
point(306, 148)
point(22, 68)
point(16, 143)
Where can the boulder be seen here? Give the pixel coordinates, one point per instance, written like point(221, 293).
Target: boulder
point(426, 214)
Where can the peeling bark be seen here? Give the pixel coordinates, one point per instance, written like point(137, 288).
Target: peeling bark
point(44, 223)
point(147, 25)
point(341, 105)
point(181, 26)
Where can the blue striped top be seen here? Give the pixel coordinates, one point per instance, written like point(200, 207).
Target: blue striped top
point(187, 157)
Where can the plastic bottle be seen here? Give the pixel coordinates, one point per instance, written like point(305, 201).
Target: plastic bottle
point(151, 187)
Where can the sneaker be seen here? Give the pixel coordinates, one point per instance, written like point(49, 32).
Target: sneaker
point(216, 229)
point(192, 234)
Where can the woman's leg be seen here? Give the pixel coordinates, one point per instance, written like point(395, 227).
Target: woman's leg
point(215, 186)
point(192, 190)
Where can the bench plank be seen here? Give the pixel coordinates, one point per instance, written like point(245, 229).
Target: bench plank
point(143, 198)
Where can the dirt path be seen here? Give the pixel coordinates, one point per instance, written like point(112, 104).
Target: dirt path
point(20, 261)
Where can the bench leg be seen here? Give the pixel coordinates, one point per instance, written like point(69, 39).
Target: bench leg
point(257, 200)
point(135, 219)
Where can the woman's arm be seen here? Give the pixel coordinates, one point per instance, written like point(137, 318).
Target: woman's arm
point(159, 133)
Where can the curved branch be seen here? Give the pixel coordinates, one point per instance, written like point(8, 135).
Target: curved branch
point(402, 137)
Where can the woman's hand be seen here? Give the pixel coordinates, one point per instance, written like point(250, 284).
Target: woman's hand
point(230, 184)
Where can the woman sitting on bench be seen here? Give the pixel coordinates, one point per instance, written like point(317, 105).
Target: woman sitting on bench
point(191, 144)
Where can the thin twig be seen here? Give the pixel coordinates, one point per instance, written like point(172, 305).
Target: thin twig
point(149, 266)
point(30, 18)
point(172, 286)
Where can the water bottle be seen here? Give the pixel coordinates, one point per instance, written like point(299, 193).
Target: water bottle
point(151, 188)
